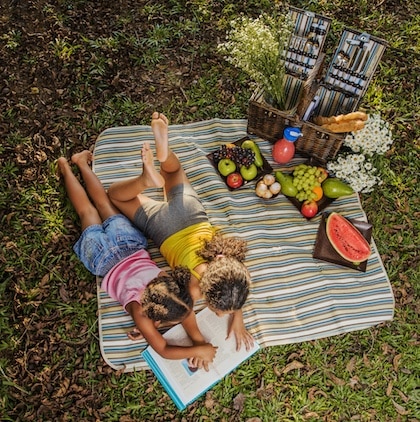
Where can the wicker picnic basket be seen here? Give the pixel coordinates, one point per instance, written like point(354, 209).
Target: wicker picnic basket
point(340, 91)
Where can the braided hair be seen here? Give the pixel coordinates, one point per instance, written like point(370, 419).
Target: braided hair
point(167, 298)
point(225, 283)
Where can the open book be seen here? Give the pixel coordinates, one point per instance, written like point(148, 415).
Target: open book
point(184, 384)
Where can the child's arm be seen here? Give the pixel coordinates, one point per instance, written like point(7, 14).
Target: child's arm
point(237, 326)
point(194, 333)
point(203, 353)
point(191, 328)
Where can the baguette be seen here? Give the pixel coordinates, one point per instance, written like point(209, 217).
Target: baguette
point(345, 126)
point(355, 115)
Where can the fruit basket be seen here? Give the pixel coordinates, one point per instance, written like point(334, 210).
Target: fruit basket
point(242, 158)
point(323, 249)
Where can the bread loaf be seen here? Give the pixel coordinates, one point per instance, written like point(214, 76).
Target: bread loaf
point(345, 126)
point(356, 115)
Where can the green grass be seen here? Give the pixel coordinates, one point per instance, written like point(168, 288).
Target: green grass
point(50, 362)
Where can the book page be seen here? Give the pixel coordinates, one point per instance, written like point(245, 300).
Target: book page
point(214, 330)
point(185, 383)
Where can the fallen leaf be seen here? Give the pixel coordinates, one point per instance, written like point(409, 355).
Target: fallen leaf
point(389, 389)
point(314, 391)
point(309, 415)
point(63, 388)
point(404, 398)
point(336, 380)
point(395, 362)
point(354, 381)
point(366, 361)
point(292, 366)
point(400, 409)
point(238, 402)
point(351, 365)
point(64, 294)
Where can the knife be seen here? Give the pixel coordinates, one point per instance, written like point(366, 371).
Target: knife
point(359, 58)
point(364, 62)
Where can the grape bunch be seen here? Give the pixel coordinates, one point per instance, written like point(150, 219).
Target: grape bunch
point(305, 179)
point(240, 156)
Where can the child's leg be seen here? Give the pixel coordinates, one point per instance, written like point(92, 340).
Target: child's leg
point(170, 167)
point(87, 213)
point(94, 186)
point(127, 194)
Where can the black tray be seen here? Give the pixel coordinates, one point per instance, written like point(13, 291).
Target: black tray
point(324, 251)
point(265, 169)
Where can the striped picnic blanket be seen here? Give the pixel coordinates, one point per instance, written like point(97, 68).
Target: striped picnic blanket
point(294, 297)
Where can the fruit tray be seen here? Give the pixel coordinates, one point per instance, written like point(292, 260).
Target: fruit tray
point(264, 169)
point(324, 251)
point(323, 179)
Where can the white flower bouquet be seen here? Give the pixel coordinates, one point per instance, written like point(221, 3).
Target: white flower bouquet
point(355, 166)
point(258, 47)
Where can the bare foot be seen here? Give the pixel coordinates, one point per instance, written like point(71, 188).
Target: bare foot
point(84, 157)
point(160, 131)
point(150, 177)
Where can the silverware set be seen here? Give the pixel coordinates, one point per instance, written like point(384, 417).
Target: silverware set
point(351, 64)
point(305, 45)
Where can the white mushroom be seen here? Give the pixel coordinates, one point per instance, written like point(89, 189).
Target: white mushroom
point(269, 179)
point(275, 188)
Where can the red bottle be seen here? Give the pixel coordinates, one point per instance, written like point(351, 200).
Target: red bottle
point(284, 149)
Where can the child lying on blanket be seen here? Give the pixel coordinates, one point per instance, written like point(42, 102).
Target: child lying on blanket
point(181, 229)
point(111, 247)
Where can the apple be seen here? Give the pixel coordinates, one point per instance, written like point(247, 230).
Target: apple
point(250, 172)
point(309, 209)
point(323, 175)
point(234, 180)
point(226, 166)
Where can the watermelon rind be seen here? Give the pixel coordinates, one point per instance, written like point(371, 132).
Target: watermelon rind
point(346, 239)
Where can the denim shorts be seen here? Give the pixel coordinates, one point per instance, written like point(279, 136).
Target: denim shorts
point(101, 246)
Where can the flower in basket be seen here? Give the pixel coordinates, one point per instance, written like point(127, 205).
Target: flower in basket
point(361, 149)
point(258, 47)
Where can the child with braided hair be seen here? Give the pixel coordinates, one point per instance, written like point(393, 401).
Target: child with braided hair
point(113, 248)
point(181, 230)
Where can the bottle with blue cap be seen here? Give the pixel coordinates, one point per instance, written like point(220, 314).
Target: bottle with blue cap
point(284, 149)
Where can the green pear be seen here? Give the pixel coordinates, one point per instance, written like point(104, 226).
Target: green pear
point(334, 188)
point(258, 161)
point(286, 183)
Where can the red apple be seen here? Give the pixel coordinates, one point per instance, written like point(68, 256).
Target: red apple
point(234, 180)
point(323, 174)
point(309, 209)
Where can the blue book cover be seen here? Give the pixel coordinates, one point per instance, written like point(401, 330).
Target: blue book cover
point(185, 384)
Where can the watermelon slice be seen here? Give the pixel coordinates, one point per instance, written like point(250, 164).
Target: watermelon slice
point(346, 239)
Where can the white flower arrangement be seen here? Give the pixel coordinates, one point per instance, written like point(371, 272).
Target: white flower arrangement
point(258, 47)
point(355, 167)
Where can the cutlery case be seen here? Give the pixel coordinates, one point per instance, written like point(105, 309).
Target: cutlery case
point(309, 93)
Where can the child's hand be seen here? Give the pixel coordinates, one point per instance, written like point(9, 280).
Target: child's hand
point(135, 334)
point(237, 327)
point(204, 355)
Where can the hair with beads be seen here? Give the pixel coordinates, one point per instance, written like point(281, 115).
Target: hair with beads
point(167, 298)
point(225, 283)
